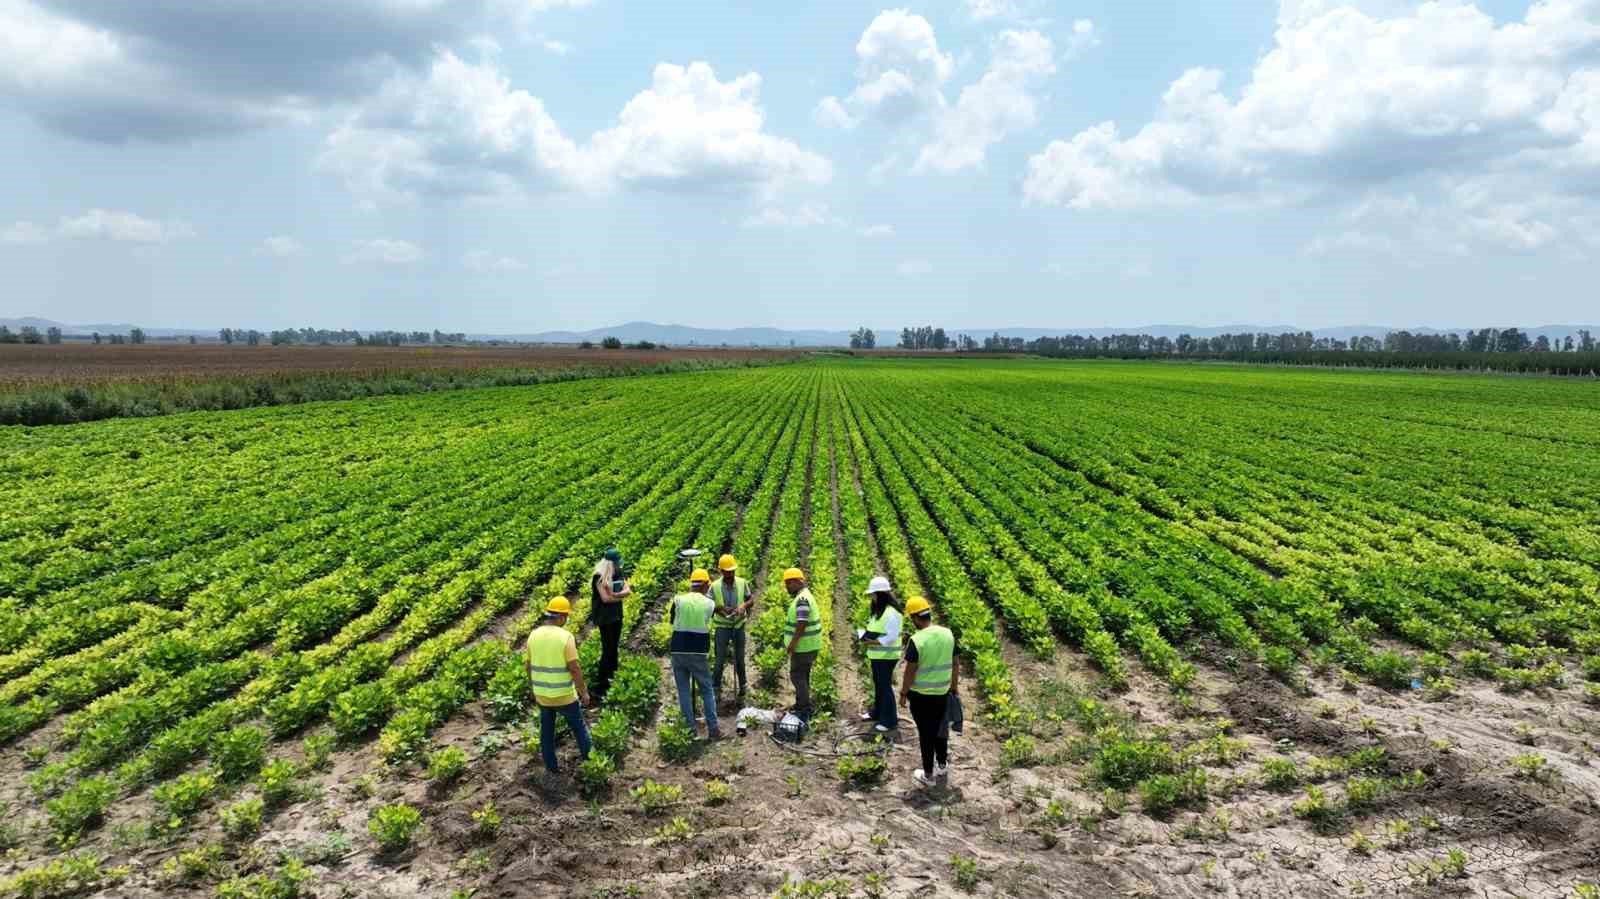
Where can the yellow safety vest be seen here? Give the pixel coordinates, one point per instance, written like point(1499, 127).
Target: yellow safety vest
point(691, 623)
point(879, 625)
point(811, 640)
point(726, 598)
point(547, 656)
point(936, 651)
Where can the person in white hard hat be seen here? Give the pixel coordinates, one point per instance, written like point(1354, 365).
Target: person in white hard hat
point(881, 641)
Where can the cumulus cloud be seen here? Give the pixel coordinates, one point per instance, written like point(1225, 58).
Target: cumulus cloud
point(463, 130)
point(875, 231)
point(913, 268)
point(1348, 97)
point(283, 247)
point(806, 216)
point(484, 262)
point(382, 251)
point(106, 224)
point(167, 70)
point(997, 104)
point(23, 233)
point(900, 73)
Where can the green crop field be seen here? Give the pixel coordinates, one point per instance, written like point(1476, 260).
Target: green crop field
point(193, 606)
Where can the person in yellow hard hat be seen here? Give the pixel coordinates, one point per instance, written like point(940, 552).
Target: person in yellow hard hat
point(805, 639)
point(735, 602)
point(930, 679)
point(557, 680)
point(691, 641)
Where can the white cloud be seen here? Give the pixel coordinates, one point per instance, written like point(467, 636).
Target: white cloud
point(104, 224)
point(901, 76)
point(283, 247)
point(24, 233)
point(1349, 98)
point(806, 216)
point(484, 262)
point(1084, 37)
point(463, 130)
point(913, 268)
point(384, 252)
point(900, 73)
point(998, 104)
point(169, 70)
point(830, 113)
point(559, 48)
point(984, 10)
point(875, 231)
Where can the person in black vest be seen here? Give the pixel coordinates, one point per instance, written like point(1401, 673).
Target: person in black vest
point(606, 591)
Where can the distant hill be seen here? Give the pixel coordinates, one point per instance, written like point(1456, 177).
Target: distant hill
point(684, 335)
point(45, 324)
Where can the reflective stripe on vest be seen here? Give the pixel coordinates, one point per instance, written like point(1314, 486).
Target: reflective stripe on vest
point(547, 656)
point(740, 593)
point(691, 623)
point(935, 654)
point(811, 639)
point(879, 625)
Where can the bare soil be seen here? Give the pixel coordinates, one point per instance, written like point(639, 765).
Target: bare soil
point(38, 365)
point(793, 819)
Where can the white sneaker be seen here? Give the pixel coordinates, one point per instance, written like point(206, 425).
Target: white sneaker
point(921, 778)
point(866, 716)
point(941, 772)
point(878, 728)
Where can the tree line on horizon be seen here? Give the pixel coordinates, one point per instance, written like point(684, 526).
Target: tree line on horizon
point(1483, 340)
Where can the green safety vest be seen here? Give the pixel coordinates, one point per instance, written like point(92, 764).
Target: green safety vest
point(729, 598)
point(877, 651)
point(547, 655)
point(691, 623)
point(811, 640)
point(936, 650)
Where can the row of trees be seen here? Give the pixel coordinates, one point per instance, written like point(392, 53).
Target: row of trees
point(1485, 340)
point(323, 336)
point(29, 334)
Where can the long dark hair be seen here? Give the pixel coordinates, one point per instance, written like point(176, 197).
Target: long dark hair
point(883, 599)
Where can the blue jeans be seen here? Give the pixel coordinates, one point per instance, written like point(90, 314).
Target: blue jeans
point(547, 731)
point(883, 707)
point(692, 669)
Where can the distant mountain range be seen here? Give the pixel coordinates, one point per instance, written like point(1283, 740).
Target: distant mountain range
point(683, 335)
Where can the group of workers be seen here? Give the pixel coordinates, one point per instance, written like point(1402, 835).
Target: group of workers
point(708, 630)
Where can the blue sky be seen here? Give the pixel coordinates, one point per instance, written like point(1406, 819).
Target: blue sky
point(519, 165)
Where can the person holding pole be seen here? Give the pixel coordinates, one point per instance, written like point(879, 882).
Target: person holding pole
point(734, 603)
point(691, 639)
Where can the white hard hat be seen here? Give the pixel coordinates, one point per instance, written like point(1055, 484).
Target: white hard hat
point(879, 584)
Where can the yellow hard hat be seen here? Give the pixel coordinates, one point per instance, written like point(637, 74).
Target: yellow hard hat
point(916, 605)
point(794, 574)
point(699, 576)
point(558, 606)
point(727, 563)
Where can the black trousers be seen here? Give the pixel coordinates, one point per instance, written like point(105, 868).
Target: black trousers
point(928, 712)
point(610, 636)
point(884, 710)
